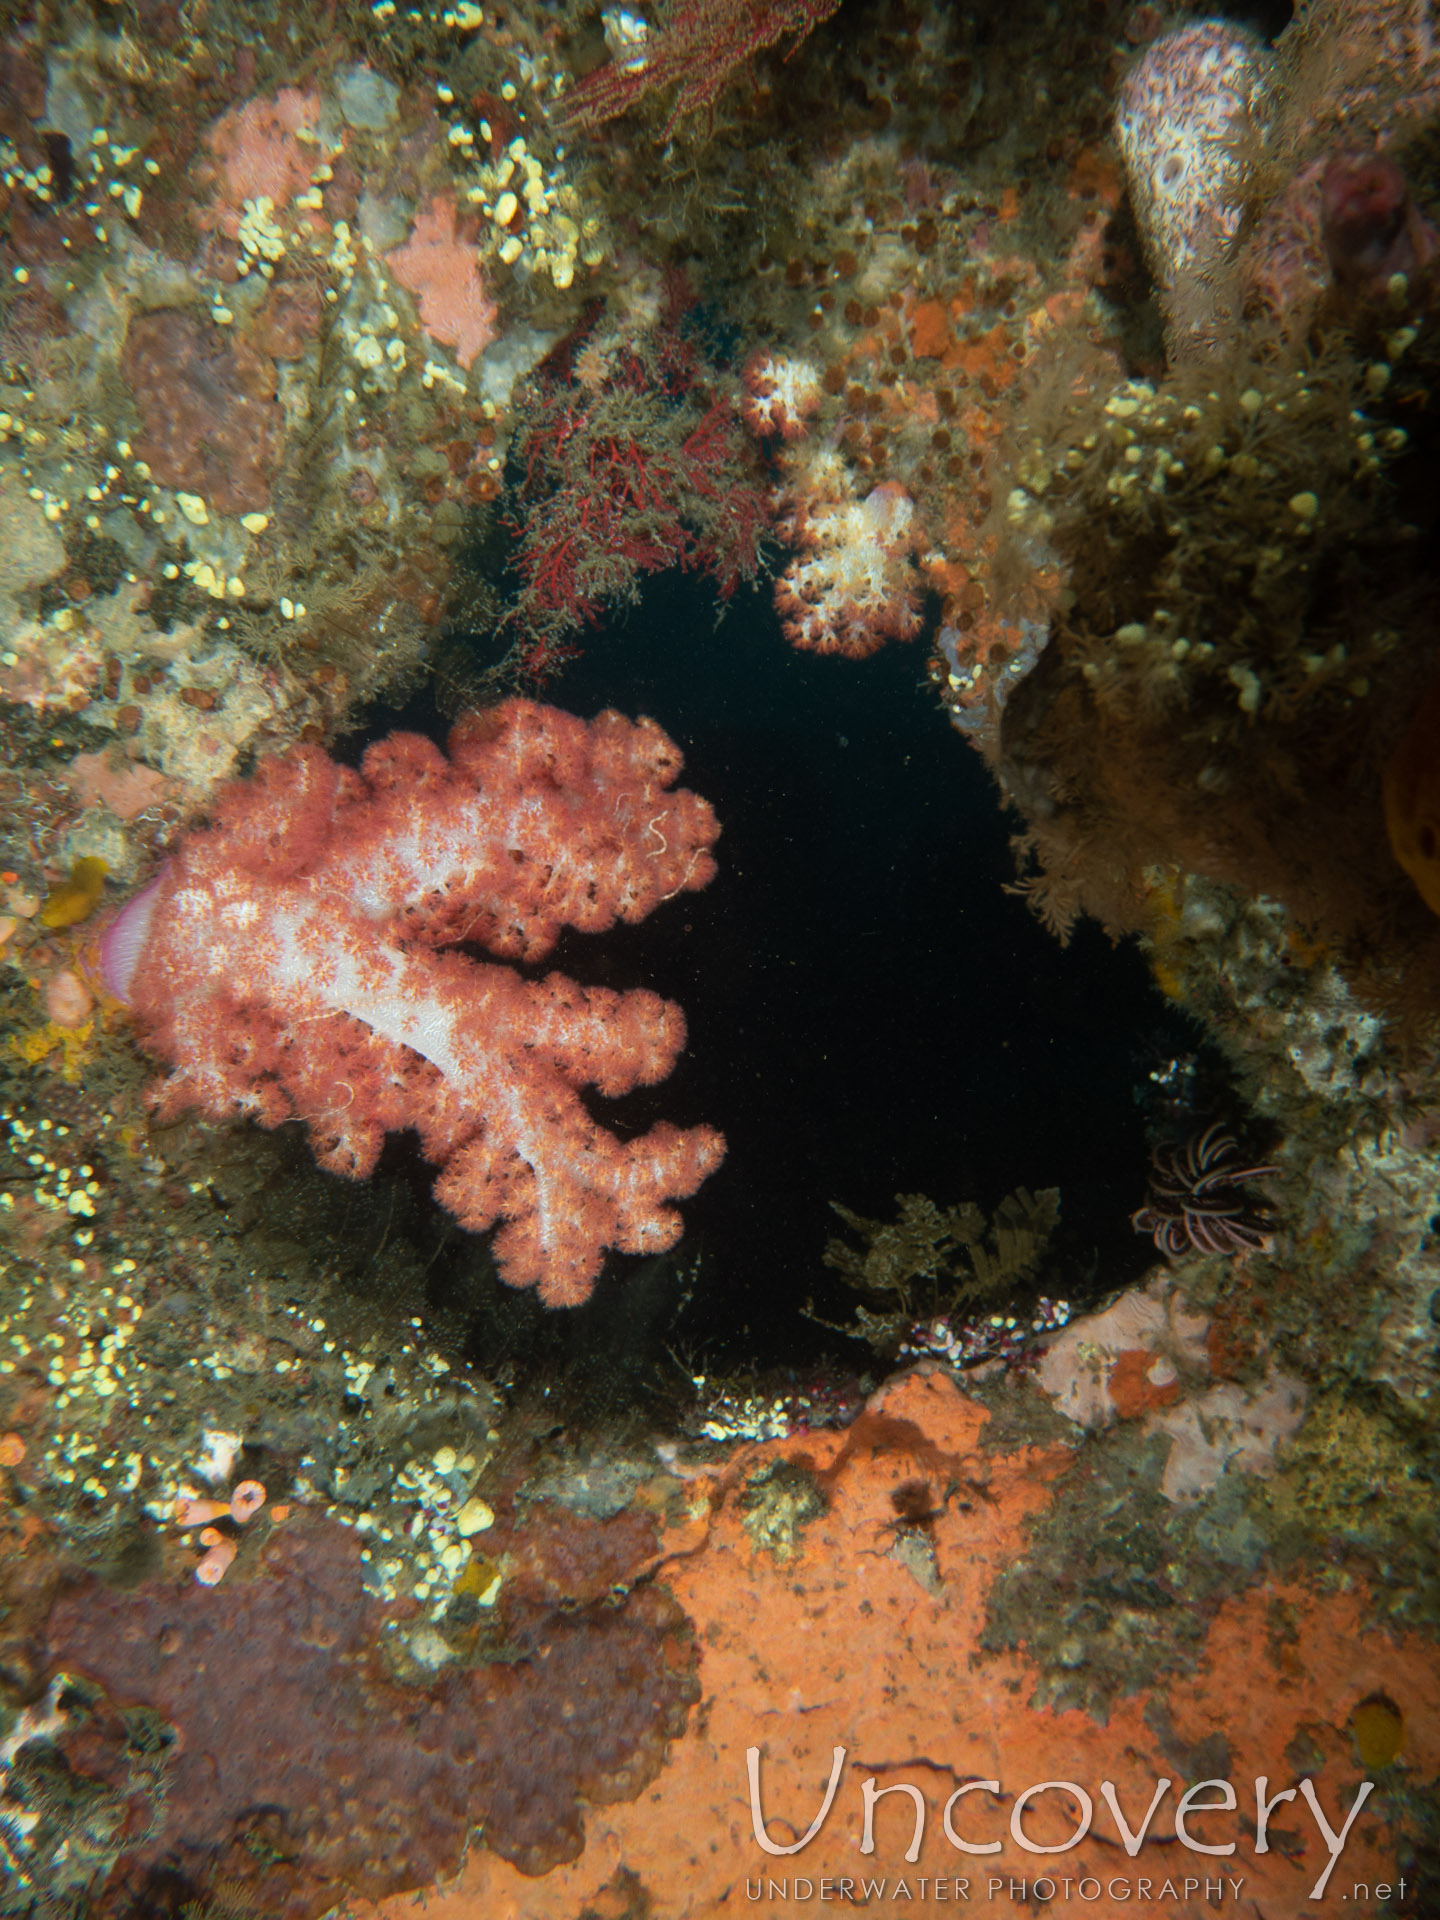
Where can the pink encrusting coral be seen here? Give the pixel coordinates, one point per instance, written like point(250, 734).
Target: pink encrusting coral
point(267, 148)
point(442, 270)
point(285, 965)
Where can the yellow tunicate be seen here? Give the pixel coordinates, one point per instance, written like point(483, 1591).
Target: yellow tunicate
point(75, 899)
point(1378, 1727)
point(481, 1579)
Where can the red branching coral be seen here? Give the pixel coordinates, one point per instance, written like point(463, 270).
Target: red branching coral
point(700, 46)
point(286, 964)
point(644, 468)
point(304, 1771)
point(210, 424)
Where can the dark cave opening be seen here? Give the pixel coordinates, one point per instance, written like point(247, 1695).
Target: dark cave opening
point(870, 1011)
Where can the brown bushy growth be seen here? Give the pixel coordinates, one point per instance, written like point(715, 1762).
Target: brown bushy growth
point(934, 1260)
point(1248, 625)
point(303, 1769)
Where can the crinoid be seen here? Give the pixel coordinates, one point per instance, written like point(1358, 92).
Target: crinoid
point(1197, 1201)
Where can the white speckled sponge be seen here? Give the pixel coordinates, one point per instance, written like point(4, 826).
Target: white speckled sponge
point(1183, 107)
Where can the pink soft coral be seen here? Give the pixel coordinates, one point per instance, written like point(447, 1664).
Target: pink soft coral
point(293, 961)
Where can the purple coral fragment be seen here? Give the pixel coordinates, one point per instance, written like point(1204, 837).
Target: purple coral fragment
point(1371, 226)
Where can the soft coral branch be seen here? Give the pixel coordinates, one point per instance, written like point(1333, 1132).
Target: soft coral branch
point(288, 966)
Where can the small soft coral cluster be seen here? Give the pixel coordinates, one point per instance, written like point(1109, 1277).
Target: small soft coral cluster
point(782, 394)
point(852, 585)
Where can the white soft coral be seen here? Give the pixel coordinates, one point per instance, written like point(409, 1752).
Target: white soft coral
point(853, 584)
point(782, 394)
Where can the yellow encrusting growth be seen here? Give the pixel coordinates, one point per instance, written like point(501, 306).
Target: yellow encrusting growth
point(75, 899)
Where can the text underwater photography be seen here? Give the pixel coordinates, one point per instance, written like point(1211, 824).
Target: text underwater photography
point(1192, 1880)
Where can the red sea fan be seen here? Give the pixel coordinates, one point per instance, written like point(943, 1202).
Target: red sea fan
point(700, 46)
